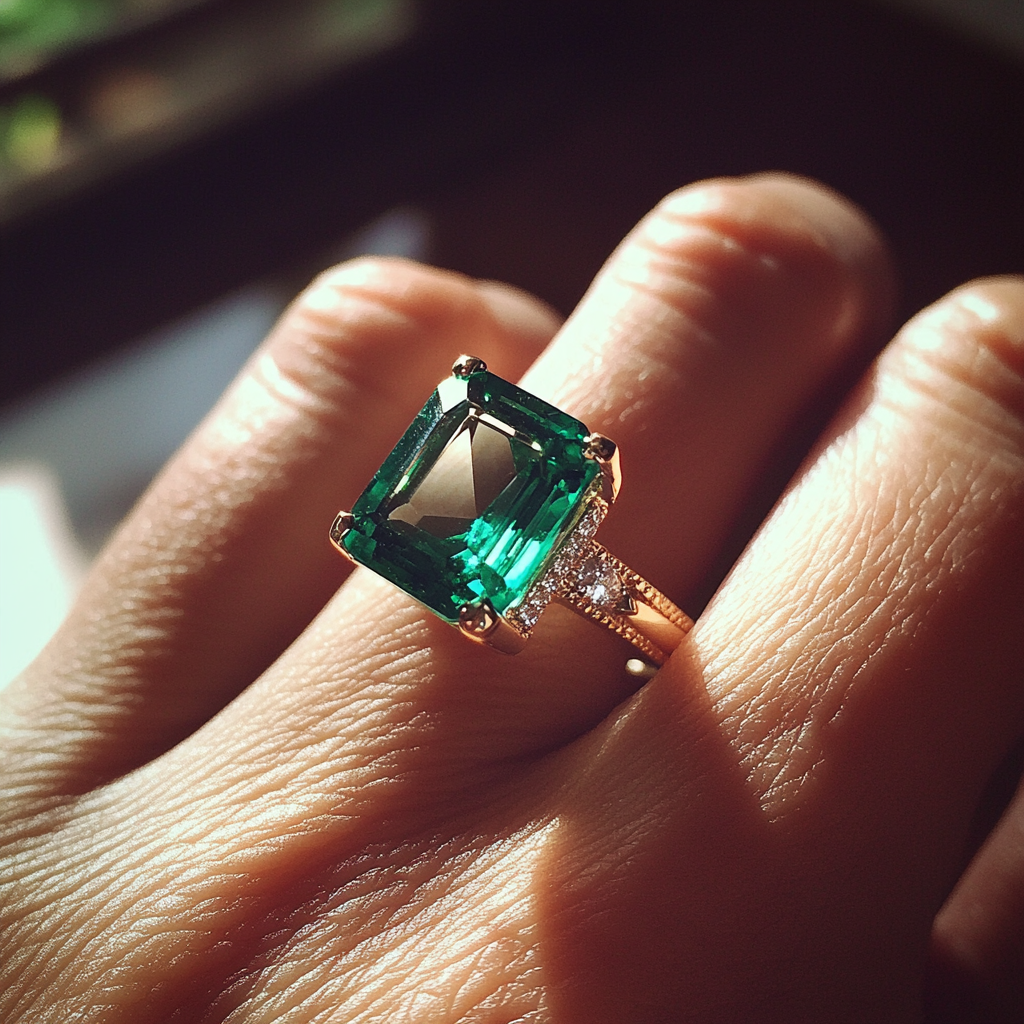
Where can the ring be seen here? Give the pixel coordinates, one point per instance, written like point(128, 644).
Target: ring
point(486, 511)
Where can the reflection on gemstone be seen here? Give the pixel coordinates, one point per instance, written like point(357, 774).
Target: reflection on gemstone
point(476, 498)
point(475, 467)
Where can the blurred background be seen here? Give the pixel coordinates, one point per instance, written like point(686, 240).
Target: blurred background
point(172, 171)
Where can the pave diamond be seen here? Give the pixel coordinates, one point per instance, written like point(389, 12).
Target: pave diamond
point(476, 498)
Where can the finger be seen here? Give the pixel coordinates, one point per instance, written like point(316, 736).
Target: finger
point(710, 329)
point(834, 716)
point(909, 521)
point(732, 301)
point(226, 559)
point(977, 955)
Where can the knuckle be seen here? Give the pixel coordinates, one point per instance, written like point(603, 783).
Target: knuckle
point(399, 290)
point(993, 310)
point(965, 355)
point(735, 251)
point(358, 319)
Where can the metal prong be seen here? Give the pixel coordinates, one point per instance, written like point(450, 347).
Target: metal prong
point(465, 365)
point(599, 447)
point(342, 524)
point(480, 622)
point(605, 451)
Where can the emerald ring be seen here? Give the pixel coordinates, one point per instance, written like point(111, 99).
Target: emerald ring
point(486, 511)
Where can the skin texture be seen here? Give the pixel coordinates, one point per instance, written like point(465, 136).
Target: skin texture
point(245, 783)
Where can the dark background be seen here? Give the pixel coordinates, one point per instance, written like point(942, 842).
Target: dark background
point(534, 133)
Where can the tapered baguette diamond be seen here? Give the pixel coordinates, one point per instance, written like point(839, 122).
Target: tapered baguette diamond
point(476, 498)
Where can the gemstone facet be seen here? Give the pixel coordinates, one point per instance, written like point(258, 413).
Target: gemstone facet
point(476, 498)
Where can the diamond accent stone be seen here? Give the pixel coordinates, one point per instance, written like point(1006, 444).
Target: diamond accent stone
point(598, 581)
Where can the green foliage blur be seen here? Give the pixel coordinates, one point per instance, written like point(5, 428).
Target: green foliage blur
point(31, 29)
point(30, 133)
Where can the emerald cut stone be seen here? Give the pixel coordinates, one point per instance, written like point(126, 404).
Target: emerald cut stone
point(476, 497)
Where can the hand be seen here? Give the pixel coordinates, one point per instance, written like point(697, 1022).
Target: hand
point(232, 794)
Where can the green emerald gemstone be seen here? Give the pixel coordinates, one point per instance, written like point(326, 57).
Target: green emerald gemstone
point(476, 497)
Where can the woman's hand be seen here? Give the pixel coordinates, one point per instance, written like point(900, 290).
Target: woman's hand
point(232, 796)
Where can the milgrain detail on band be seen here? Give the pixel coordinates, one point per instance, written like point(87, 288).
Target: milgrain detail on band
point(611, 593)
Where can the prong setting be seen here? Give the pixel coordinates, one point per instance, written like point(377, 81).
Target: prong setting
point(600, 448)
point(480, 622)
point(465, 365)
point(342, 524)
point(605, 451)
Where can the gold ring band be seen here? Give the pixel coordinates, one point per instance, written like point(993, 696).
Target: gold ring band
point(642, 614)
